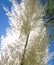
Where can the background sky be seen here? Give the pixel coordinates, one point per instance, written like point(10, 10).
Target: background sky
point(4, 22)
point(3, 18)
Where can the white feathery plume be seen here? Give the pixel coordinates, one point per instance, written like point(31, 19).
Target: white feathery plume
point(25, 18)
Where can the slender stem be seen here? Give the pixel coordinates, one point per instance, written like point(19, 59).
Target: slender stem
point(25, 49)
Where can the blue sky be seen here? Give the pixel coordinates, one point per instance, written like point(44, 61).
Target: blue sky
point(4, 22)
point(3, 18)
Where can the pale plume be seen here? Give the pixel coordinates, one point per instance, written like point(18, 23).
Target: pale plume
point(25, 18)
